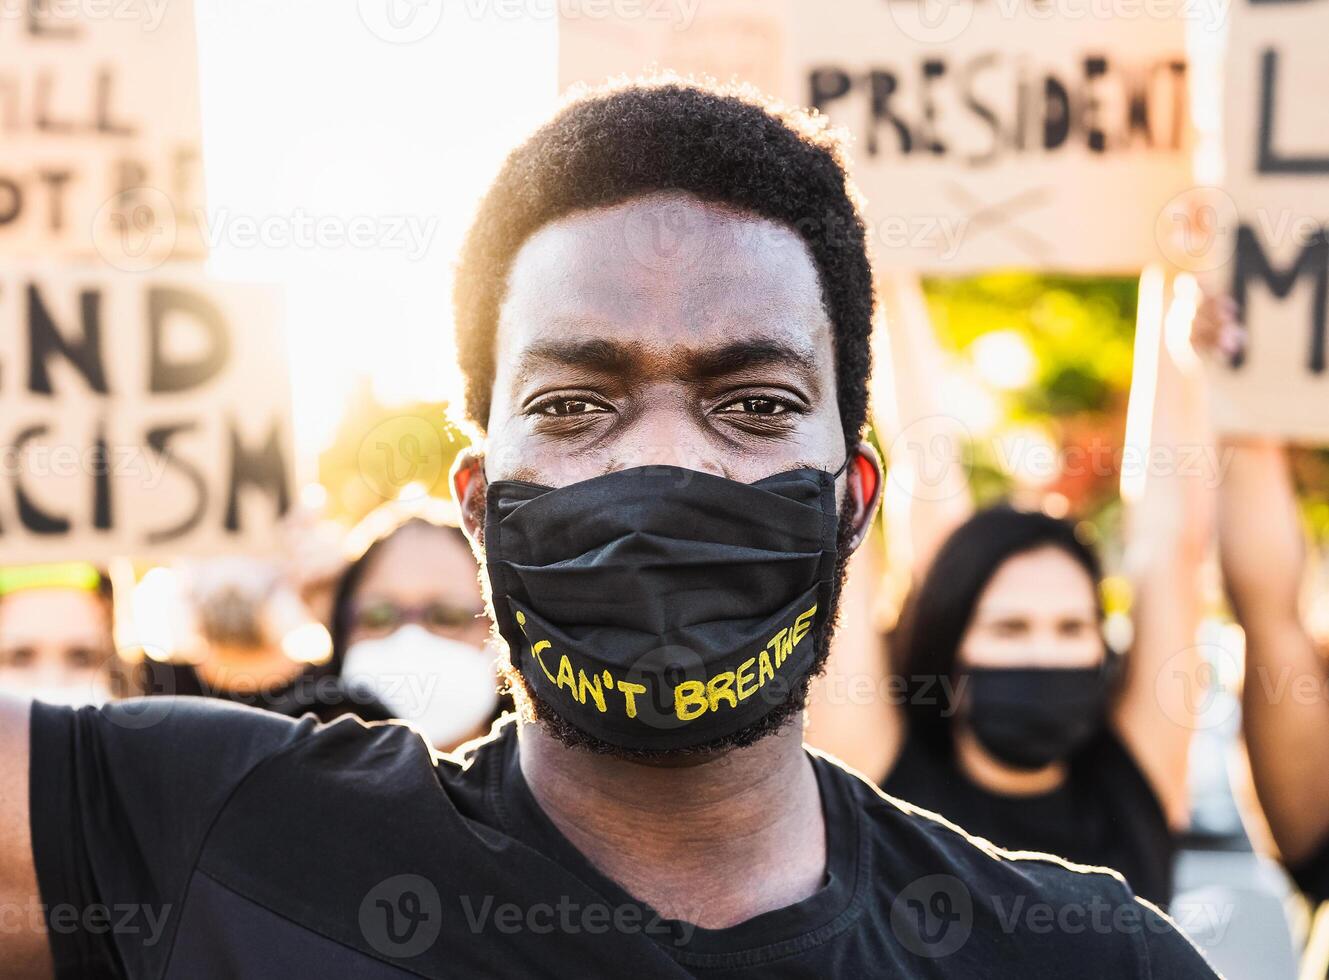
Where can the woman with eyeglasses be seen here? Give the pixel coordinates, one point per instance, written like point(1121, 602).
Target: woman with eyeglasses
point(409, 626)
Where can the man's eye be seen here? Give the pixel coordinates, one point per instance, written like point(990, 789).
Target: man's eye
point(562, 407)
point(755, 406)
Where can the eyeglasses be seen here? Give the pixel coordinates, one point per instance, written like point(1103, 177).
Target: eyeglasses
point(382, 616)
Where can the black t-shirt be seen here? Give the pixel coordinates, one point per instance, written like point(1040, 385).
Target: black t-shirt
point(317, 690)
point(223, 842)
point(1104, 814)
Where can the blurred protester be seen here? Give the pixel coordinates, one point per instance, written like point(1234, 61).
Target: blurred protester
point(56, 636)
point(998, 702)
point(409, 624)
point(1285, 712)
point(251, 640)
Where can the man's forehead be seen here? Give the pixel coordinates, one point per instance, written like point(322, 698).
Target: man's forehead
point(665, 277)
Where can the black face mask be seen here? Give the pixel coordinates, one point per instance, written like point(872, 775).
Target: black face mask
point(660, 607)
point(1030, 717)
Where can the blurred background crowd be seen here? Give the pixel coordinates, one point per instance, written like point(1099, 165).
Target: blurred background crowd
point(1045, 640)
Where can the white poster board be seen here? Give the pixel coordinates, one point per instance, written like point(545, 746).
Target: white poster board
point(986, 133)
point(99, 109)
point(146, 416)
point(1269, 247)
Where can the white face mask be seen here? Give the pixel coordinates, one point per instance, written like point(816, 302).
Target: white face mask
point(443, 687)
point(92, 689)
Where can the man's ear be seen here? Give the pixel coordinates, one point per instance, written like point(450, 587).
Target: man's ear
point(864, 480)
point(468, 489)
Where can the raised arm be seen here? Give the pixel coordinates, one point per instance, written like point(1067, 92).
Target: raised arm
point(927, 492)
point(1262, 546)
point(1168, 529)
point(24, 954)
point(854, 711)
point(1285, 712)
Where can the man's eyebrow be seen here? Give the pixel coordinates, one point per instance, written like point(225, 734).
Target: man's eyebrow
point(744, 355)
point(594, 354)
point(600, 355)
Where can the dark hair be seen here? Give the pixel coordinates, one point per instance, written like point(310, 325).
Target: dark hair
point(349, 584)
point(927, 642)
point(725, 145)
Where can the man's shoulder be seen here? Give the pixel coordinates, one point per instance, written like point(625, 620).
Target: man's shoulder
point(183, 739)
point(1029, 905)
point(932, 838)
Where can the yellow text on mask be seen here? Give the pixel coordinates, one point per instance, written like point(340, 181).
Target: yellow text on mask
point(584, 687)
point(692, 699)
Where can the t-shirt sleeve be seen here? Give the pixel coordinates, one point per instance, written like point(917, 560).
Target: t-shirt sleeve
point(121, 798)
point(1170, 955)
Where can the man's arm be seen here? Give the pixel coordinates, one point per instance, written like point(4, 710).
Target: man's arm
point(25, 954)
point(1285, 711)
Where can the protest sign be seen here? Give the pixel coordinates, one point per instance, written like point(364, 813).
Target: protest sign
point(146, 416)
point(99, 103)
point(1264, 232)
point(986, 133)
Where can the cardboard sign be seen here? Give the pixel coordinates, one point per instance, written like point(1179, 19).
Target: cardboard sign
point(99, 107)
point(146, 416)
point(986, 133)
point(747, 40)
point(1269, 245)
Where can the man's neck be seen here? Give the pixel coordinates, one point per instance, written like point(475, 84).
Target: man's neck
point(713, 843)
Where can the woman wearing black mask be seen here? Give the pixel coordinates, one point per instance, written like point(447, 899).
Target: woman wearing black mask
point(1011, 691)
point(996, 701)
